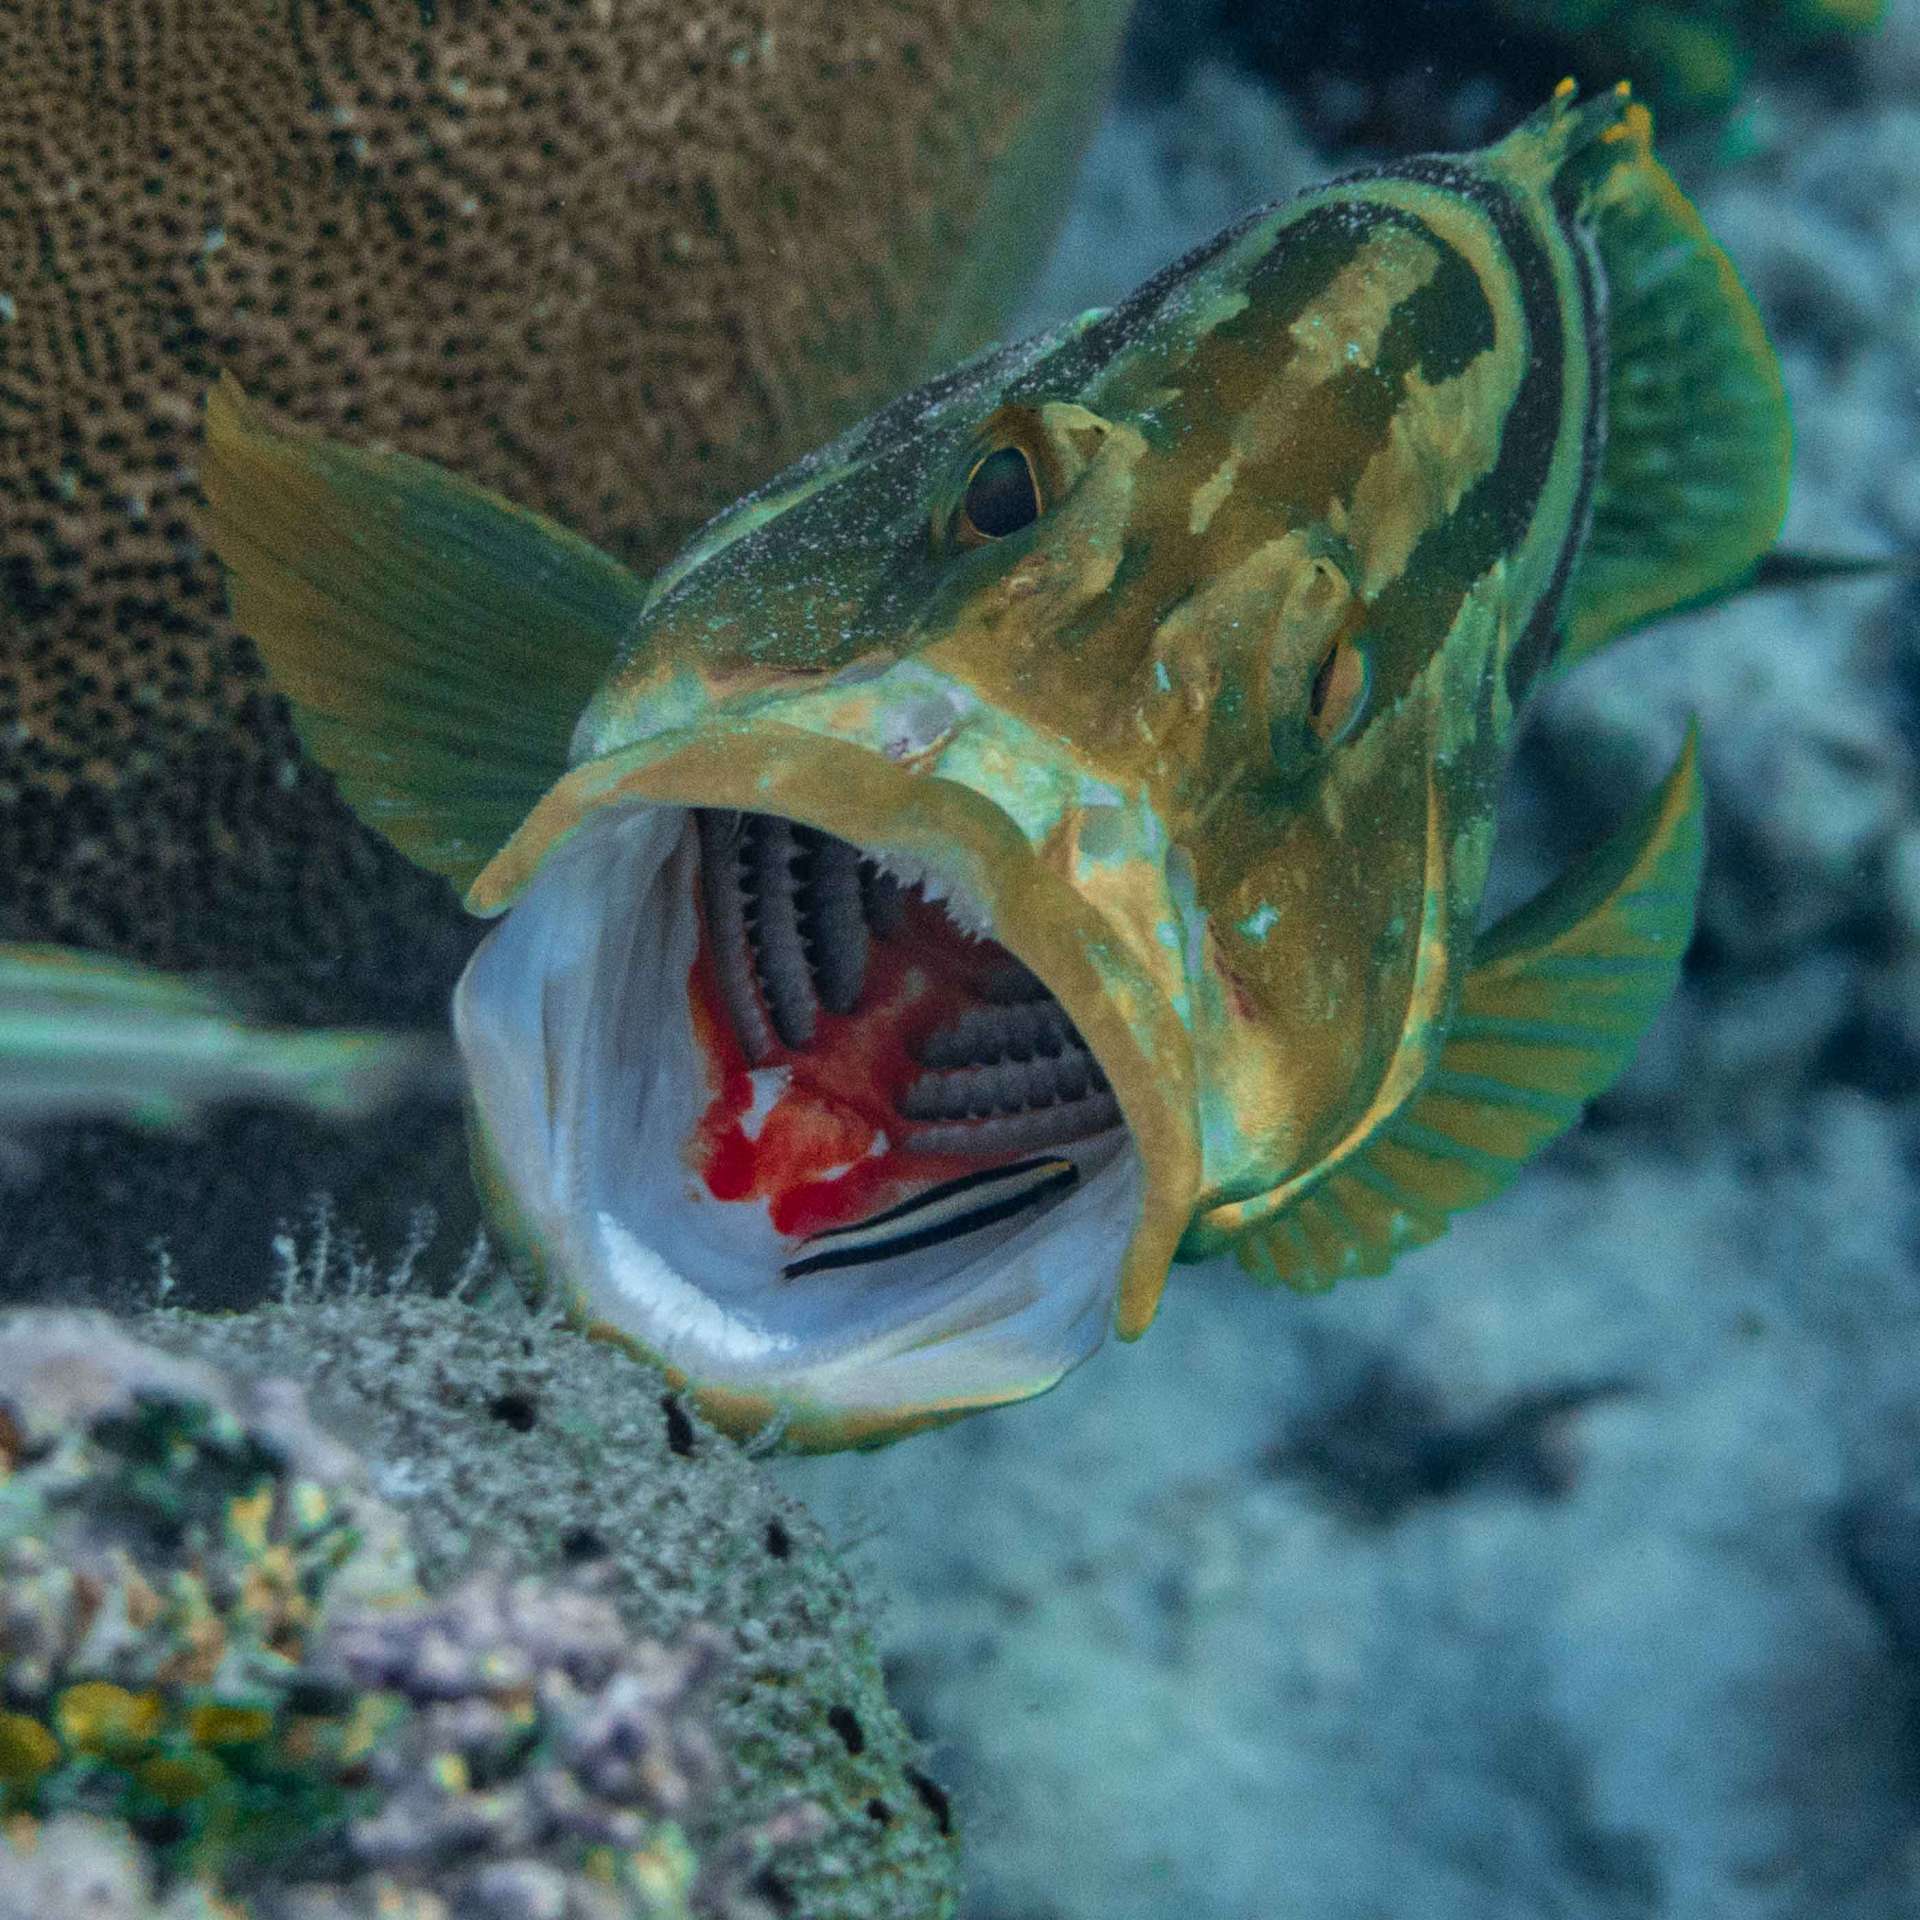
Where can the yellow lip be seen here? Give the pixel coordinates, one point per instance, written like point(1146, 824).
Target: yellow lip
point(1124, 1014)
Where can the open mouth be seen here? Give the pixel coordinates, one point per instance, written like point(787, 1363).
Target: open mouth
point(894, 1053)
point(792, 1115)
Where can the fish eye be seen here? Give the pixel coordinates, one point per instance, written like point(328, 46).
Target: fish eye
point(1339, 693)
point(1002, 496)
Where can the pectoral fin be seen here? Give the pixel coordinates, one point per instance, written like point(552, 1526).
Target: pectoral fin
point(437, 642)
point(1550, 1013)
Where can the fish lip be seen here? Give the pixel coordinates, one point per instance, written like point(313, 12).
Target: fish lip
point(880, 803)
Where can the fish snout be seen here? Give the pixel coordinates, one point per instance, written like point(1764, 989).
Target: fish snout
point(831, 1052)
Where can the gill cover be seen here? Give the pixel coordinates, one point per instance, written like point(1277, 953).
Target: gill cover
point(1684, 484)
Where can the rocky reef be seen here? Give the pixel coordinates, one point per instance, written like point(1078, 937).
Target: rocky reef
point(240, 1662)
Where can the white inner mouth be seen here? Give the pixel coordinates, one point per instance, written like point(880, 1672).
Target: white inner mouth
point(975, 1282)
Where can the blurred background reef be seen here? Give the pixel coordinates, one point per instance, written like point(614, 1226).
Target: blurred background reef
point(1582, 1582)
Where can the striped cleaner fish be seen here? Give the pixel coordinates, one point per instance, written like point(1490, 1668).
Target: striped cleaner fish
point(1039, 837)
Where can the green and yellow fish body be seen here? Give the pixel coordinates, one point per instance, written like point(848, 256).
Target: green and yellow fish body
point(1040, 837)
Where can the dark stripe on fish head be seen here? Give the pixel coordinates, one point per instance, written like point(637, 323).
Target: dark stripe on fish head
point(1414, 612)
point(1199, 377)
point(1540, 642)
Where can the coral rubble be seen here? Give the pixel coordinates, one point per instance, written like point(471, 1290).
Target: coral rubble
point(222, 1690)
point(505, 1438)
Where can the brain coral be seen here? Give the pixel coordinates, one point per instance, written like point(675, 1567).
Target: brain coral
point(615, 258)
point(210, 1636)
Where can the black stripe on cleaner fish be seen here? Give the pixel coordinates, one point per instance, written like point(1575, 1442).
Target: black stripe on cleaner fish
point(945, 1212)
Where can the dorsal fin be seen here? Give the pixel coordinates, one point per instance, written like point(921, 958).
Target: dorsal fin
point(1550, 1013)
point(1693, 482)
point(437, 643)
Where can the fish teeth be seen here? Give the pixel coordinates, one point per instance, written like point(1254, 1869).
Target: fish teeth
point(963, 907)
point(880, 899)
point(722, 846)
point(768, 862)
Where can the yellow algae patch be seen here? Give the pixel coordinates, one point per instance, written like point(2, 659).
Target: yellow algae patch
point(27, 1750)
point(247, 1518)
point(221, 1724)
point(178, 1779)
point(95, 1716)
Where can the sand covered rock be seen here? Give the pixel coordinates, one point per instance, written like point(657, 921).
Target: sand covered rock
point(504, 1438)
point(636, 1690)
